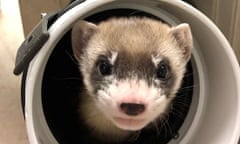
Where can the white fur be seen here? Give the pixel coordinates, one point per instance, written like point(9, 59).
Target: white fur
point(131, 90)
point(156, 60)
point(113, 58)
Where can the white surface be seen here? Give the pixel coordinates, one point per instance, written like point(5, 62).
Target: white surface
point(226, 15)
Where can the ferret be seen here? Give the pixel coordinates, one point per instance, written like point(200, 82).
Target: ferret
point(132, 69)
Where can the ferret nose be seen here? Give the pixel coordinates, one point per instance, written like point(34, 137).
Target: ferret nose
point(132, 109)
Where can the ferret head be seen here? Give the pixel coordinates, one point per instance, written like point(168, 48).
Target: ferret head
point(132, 67)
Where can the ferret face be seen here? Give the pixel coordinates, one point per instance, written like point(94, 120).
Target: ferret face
point(132, 68)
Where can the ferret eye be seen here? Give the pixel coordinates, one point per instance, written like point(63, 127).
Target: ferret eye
point(105, 68)
point(162, 71)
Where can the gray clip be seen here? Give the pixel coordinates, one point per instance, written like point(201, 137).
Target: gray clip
point(33, 44)
point(37, 38)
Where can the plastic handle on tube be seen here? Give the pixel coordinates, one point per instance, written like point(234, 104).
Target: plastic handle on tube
point(37, 38)
point(32, 44)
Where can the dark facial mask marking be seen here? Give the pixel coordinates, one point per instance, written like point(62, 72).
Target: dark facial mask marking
point(128, 66)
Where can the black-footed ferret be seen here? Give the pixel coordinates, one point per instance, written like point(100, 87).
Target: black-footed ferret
point(132, 69)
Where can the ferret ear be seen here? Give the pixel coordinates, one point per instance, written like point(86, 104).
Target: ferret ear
point(81, 33)
point(183, 35)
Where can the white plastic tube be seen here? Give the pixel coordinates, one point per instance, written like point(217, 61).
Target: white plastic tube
point(214, 116)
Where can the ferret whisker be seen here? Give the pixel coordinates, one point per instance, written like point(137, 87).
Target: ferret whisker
point(187, 88)
point(155, 124)
point(72, 58)
point(162, 125)
point(134, 136)
point(70, 78)
point(189, 74)
point(182, 98)
point(181, 103)
point(174, 97)
point(177, 114)
point(169, 129)
point(164, 122)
